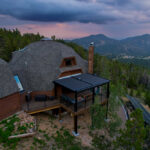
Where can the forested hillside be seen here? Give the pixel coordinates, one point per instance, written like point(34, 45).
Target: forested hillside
point(12, 40)
point(133, 46)
point(140, 62)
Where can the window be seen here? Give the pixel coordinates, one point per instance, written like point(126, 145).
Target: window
point(18, 83)
point(67, 62)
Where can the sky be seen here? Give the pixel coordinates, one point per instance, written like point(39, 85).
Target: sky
point(69, 19)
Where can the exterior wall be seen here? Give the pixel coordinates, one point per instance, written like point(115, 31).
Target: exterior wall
point(9, 105)
point(22, 98)
point(59, 90)
point(71, 72)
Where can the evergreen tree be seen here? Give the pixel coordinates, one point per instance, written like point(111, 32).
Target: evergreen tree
point(133, 136)
point(147, 98)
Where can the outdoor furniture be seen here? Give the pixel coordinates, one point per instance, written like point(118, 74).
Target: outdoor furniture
point(86, 95)
point(80, 99)
point(40, 97)
point(51, 98)
point(68, 99)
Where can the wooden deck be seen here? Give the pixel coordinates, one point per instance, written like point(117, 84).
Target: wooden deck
point(34, 107)
point(39, 106)
point(82, 108)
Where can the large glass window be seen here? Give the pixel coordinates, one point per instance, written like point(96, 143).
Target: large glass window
point(18, 83)
point(68, 62)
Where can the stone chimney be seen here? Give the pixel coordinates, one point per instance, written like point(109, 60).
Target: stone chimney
point(91, 58)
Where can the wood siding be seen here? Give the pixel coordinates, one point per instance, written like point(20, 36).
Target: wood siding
point(9, 105)
point(70, 72)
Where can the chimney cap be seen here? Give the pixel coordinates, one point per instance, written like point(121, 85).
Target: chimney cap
point(92, 44)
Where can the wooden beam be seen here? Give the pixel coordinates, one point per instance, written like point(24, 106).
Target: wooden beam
point(22, 135)
point(59, 113)
point(44, 109)
point(67, 108)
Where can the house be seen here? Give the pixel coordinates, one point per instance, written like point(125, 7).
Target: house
point(40, 63)
point(51, 75)
point(9, 92)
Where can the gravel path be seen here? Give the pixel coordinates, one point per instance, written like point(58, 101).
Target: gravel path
point(122, 115)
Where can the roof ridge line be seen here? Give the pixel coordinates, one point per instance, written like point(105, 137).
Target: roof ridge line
point(82, 80)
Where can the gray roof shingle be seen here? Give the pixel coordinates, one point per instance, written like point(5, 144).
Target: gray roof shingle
point(7, 83)
point(38, 65)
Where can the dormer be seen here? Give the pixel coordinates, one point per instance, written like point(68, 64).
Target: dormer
point(68, 62)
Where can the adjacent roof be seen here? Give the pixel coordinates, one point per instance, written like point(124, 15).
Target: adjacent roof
point(45, 39)
point(7, 83)
point(136, 104)
point(39, 64)
point(81, 82)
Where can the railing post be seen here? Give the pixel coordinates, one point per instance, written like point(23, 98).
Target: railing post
point(75, 105)
point(93, 95)
point(55, 90)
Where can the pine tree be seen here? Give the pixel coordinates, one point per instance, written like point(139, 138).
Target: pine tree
point(133, 136)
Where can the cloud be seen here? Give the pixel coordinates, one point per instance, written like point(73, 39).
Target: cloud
point(83, 11)
point(60, 30)
point(54, 11)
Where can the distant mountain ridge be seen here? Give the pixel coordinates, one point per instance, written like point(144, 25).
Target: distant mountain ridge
point(134, 46)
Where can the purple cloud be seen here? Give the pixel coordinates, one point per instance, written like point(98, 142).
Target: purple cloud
point(84, 11)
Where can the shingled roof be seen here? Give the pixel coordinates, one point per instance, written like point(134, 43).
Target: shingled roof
point(37, 65)
point(7, 83)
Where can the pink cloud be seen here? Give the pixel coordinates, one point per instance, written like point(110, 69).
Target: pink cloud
point(60, 30)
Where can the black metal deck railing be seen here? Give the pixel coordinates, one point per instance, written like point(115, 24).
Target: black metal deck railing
point(39, 103)
point(84, 101)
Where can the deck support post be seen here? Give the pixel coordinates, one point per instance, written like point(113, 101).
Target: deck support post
point(75, 132)
point(107, 101)
point(93, 95)
point(55, 90)
point(75, 105)
point(59, 113)
point(93, 100)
